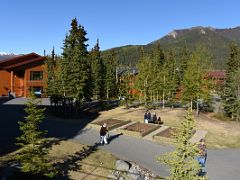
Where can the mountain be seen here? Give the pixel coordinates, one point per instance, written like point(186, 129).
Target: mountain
point(4, 55)
point(215, 40)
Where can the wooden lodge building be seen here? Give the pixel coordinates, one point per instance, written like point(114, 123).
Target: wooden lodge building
point(21, 74)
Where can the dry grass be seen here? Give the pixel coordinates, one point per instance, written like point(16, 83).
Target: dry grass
point(97, 165)
point(221, 134)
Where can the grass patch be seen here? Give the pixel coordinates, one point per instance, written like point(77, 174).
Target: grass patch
point(219, 140)
point(75, 162)
point(97, 165)
point(222, 117)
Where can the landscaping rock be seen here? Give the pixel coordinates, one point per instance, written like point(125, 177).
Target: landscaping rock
point(122, 165)
point(134, 173)
point(131, 171)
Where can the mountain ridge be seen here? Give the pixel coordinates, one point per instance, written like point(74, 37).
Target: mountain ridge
point(216, 40)
point(5, 55)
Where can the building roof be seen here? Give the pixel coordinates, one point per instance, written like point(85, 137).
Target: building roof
point(218, 74)
point(21, 60)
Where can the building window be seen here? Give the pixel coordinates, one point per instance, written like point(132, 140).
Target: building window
point(36, 75)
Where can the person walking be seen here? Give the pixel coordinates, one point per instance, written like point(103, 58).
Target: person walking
point(103, 134)
point(202, 154)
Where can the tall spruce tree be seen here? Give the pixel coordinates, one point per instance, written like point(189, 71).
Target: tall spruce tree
point(52, 74)
point(195, 84)
point(145, 80)
point(184, 57)
point(235, 87)
point(111, 75)
point(230, 96)
point(32, 156)
point(182, 161)
point(170, 68)
point(75, 66)
point(99, 72)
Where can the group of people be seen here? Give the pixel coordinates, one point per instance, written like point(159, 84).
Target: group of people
point(148, 118)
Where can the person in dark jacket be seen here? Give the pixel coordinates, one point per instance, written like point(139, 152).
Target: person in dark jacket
point(154, 118)
point(146, 117)
point(103, 134)
point(149, 116)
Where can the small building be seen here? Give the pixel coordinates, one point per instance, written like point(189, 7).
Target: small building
point(218, 76)
point(22, 74)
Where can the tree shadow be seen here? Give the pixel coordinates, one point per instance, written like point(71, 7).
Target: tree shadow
point(71, 163)
point(10, 167)
point(57, 127)
point(4, 99)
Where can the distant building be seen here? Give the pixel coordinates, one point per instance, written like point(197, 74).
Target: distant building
point(218, 76)
point(19, 75)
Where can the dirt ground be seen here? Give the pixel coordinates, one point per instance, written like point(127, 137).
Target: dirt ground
point(221, 134)
point(140, 127)
point(110, 122)
point(168, 133)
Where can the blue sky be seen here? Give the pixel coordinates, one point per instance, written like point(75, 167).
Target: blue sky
point(34, 25)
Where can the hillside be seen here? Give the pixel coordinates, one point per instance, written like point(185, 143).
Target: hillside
point(215, 40)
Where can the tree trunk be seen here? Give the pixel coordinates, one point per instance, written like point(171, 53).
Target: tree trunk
point(163, 105)
point(107, 93)
point(191, 104)
point(197, 108)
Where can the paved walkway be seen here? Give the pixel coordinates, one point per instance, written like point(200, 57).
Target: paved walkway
point(200, 134)
point(221, 164)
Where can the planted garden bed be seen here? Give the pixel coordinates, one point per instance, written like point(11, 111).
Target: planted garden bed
point(111, 123)
point(167, 135)
point(140, 129)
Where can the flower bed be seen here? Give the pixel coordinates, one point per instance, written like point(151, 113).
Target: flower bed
point(140, 129)
point(111, 123)
point(166, 135)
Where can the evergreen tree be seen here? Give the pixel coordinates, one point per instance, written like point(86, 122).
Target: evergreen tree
point(52, 74)
point(233, 65)
point(195, 84)
point(145, 80)
point(99, 72)
point(235, 87)
point(111, 75)
point(74, 66)
point(125, 85)
point(32, 156)
point(182, 161)
point(184, 57)
point(171, 76)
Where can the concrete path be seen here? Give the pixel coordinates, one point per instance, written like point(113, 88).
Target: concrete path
point(221, 164)
point(141, 151)
point(200, 134)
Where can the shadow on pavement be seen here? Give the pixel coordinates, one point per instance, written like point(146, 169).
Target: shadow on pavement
point(112, 137)
point(10, 114)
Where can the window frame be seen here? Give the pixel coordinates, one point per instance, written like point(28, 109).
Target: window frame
point(33, 76)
